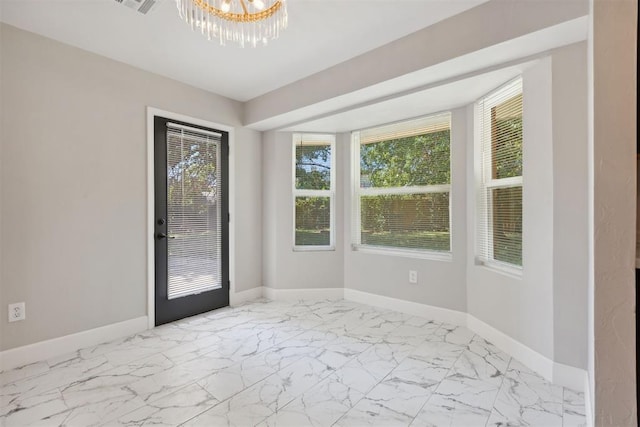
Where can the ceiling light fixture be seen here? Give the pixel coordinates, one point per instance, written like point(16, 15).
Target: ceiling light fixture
point(244, 22)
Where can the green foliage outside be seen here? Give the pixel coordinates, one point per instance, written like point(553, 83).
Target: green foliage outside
point(413, 161)
point(312, 215)
point(434, 241)
point(312, 221)
point(507, 202)
point(192, 192)
point(312, 238)
point(507, 148)
point(313, 167)
point(509, 249)
point(413, 220)
point(507, 225)
point(419, 221)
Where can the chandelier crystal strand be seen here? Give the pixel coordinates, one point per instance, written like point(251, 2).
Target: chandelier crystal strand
point(242, 22)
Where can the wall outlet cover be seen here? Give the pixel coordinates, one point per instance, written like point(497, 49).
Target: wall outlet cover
point(413, 276)
point(17, 312)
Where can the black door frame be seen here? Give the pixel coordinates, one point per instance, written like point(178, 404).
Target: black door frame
point(205, 301)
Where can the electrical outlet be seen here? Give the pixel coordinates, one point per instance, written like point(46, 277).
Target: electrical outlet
point(413, 276)
point(17, 312)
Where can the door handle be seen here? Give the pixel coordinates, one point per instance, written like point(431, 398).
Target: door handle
point(164, 236)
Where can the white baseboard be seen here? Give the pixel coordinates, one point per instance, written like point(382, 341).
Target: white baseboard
point(244, 296)
point(302, 294)
point(416, 309)
point(530, 358)
point(588, 403)
point(569, 376)
point(55, 347)
point(557, 373)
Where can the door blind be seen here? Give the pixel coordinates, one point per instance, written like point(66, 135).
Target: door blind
point(193, 210)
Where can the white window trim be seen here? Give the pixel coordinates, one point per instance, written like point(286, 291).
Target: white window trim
point(405, 253)
point(487, 182)
point(330, 193)
point(503, 268)
point(356, 218)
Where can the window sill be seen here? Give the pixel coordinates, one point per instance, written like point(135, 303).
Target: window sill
point(313, 248)
point(501, 268)
point(406, 253)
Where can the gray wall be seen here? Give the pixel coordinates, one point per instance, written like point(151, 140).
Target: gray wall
point(74, 185)
point(246, 218)
point(285, 268)
point(570, 229)
point(440, 283)
point(522, 307)
point(270, 209)
point(546, 309)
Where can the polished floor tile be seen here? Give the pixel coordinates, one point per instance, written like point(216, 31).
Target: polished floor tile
point(273, 363)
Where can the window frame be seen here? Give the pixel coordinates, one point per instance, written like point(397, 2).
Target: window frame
point(357, 193)
point(486, 184)
point(297, 137)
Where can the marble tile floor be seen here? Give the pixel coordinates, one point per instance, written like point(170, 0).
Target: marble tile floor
point(272, 363)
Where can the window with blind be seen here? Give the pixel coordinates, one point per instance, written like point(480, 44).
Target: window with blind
point(499, 121)
point(313, 191)
point(402, 184)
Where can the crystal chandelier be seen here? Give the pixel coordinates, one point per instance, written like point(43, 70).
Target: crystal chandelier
point(244, 22)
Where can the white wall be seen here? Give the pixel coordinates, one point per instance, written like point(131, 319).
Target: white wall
point(570, 229)
point(440, 283)
point(246, 218)
point(74, 185)
point(547, 308)
point(612, 358)
point(270, 209)
point(285, 268)
point(522, 307)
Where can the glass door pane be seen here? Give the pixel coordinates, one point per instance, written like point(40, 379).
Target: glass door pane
point(194, 210)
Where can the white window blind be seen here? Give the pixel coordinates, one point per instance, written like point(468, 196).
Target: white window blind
point(193, 205)
point(313, 191)
point(402, 183)
point(499, 222)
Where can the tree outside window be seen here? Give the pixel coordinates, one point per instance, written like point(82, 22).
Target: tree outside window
point(313, 190)
point(403, 186)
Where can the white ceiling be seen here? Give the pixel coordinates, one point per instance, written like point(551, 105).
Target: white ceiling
point(321, 33)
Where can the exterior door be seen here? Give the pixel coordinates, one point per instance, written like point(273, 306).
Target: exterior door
point(191, 220)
